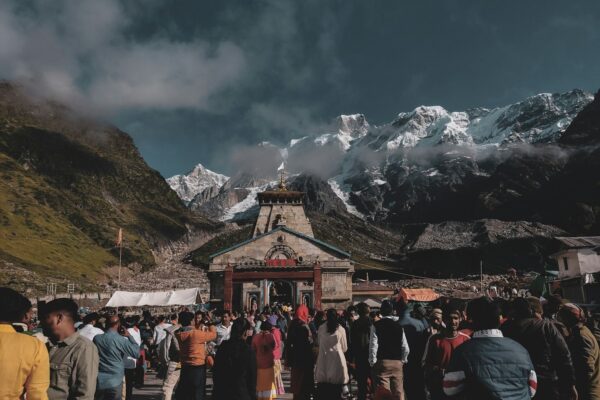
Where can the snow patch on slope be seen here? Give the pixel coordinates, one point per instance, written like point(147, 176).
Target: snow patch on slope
point(344, 196)
point(246, 204)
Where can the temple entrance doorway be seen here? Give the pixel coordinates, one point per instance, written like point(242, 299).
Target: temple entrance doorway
point(281, 292)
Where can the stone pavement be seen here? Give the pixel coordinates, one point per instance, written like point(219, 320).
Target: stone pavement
point(152, 387)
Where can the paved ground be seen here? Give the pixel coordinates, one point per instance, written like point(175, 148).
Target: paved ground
point(152, 387)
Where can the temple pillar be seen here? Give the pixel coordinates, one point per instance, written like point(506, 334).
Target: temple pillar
point(228, 288)
point(317, 285)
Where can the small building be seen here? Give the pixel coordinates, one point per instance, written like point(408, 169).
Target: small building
point(369, 290)
point(579, 268)
point(282, 262)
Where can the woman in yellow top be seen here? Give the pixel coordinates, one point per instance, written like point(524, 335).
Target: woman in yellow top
point(24, 365)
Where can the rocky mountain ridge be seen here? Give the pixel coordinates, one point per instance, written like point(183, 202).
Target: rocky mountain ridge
point(397, 172)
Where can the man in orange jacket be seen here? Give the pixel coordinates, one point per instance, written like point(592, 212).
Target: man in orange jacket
point(192, 347)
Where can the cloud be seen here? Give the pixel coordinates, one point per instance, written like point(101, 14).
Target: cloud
point(83, 53)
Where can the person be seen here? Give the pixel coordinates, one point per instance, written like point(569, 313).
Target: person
point(24, 361)
point(436, 322)
point(157, 338)
point(133, 375)
point(224, 328)
point(88, 330)
point(73, 358)
point(159, 330)
point(234, 372)
point(263, 344)
point(192, 347)
point(584, 352)
point(438, 352)
point(277, 354)
point(113, 347)
point(489, 366)
point(388, 351)
point(299, 355)
point(359, 348)
point(331, 372)
point(546, 347)
point(416, 329)
point(169, 356)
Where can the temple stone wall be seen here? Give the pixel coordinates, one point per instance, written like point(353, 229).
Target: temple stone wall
point(258, 249)
point(292, 216)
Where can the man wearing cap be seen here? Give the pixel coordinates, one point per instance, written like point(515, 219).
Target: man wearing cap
point(438, 352)
point(584, 352)
point(546, 347)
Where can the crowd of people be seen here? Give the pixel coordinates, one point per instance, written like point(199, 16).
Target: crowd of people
point(484, 349)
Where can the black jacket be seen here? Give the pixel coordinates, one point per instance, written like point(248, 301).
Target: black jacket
point(298, 347)
point(546, 347)
point(360, 334)
point(389, 339)
point(234, 372)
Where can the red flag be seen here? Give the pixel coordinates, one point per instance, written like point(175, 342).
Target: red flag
point(120, 237)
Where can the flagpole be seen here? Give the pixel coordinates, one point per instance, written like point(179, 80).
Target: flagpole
point(120, 258)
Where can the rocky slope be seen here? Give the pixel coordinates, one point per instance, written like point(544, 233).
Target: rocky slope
point(67, 184)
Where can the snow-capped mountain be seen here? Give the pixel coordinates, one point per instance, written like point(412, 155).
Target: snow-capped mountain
point(189, 185)
point(391, 170)
point(537, 119)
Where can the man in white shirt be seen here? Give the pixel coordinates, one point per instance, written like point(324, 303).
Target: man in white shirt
point(88, 329)
point(224, 328)
point(159, 330)
point(132, 373)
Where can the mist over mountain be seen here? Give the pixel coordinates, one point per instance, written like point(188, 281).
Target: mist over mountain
point(424, 166)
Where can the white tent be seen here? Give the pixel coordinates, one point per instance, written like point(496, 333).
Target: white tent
point(170, 298)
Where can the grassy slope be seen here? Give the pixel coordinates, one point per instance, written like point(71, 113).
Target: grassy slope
point(67, 185)
point(35, 235)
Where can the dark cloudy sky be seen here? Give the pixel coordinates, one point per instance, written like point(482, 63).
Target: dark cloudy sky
point(193, 81)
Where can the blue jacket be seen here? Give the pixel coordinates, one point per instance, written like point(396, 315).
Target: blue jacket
point(490, 367)
point(112, 348)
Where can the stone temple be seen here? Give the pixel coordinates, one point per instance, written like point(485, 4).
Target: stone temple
point(282, 262)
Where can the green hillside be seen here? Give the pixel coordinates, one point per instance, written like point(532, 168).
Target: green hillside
point(68, 183)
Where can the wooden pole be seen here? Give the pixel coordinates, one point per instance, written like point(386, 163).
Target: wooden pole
point(481, 275)
point(120, 259)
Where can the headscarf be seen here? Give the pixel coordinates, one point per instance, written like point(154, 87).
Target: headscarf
point(302, 313)
point(273, 319)
point(572, 309)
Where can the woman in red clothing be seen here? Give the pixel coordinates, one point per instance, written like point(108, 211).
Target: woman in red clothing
point(277, 353)
point(263, 344)
point(439, 351)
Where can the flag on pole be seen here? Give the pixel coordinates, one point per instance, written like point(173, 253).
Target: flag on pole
point(120, 237)
point(281, 167)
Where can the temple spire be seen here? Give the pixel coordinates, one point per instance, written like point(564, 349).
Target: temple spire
point(281, 170)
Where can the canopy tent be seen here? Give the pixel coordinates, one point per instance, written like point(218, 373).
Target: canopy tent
point(370, 302)
point(170, 298)
point(418, 295)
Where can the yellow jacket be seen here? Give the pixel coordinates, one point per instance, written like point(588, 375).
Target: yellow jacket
point(24, 366)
